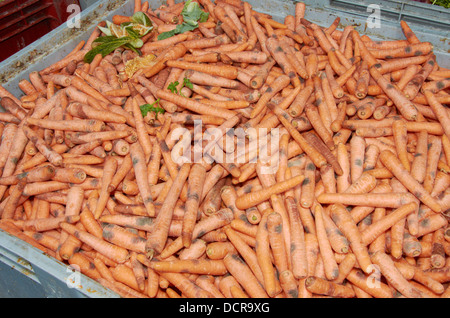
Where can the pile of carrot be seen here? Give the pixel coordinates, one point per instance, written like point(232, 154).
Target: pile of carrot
point(356, 207)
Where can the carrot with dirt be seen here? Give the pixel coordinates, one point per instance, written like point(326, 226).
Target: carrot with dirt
point(412, 88)
point(276, 241)
point(12, 107)
point(47, 224)
point(278, 54)
point(6, 143)
point(308, 185)
point(321, 286)
point(89, 222)
point(246, 252)
point(88, 112)
point(143, 136)
point(313, 114)
point(321, 102)
point(436, 86)
point(276, 86)
point(38, 174)
point(51, 155)
point(262, 73)
point(400, 139)
point(229, 195)
point(434, 151)
point(314, 155)
point(80, 138)
point(382, 225)
point(123, 237)
point(13, 199)
point(70, 175)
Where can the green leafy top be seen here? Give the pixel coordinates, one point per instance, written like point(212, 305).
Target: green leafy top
point(151, 108)
point(127, 34)
point(173, 86)
point(192, 15)
point(442, 3)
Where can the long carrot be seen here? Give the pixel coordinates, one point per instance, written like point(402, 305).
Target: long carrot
point(376, 228)
point(124, 238)
point(248, 200)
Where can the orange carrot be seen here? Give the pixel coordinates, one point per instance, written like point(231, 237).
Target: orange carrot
point(250, 199)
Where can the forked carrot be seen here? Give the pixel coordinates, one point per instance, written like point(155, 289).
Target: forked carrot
point(196, 180)
point(271, 284)
point(394, 165)
point(347, 225)
point(111, 251)
point(321, 286)
point(330, 265)
point(110, 168)
point(158, 237)
point(393, 275)
point(138, 162)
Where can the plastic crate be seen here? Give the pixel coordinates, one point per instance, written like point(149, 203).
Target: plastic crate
point(24, 21)
point(26, 271)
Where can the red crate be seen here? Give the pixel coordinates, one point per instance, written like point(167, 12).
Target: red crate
point(24, 21)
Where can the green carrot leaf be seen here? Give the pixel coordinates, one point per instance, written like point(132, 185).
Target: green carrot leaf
point(151, 108)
